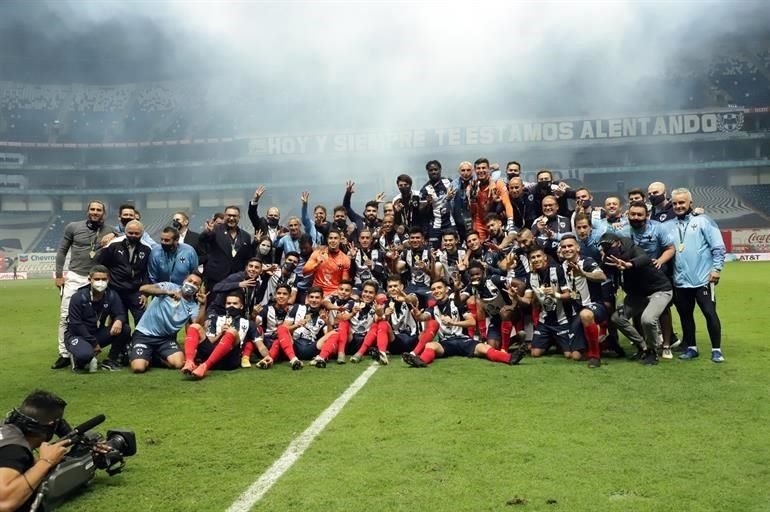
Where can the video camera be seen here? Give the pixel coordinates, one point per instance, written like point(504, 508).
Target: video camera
point(90, 451)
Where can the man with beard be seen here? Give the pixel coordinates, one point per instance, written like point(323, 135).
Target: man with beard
point(268, 319)
point(496, 236)
point(218, 344)
point(584, 206)
point(369, 219)
point(268, 225)
point(299, 335)
point(648, 293)
point(366, 261)
point(416, 265)
point(549, 227)
point(584, 278)
point(461, 203)
point(249, 283)
point(476, 251)
point(436, 203)
point(406, 205)
point(452, 319)
point(319, 228)
point(127, 213)
point(228, 247)
point(328, 265)
point(525, 211)
point(491, 293)
point(614, 221)
point(698, 265)
point(390, 238)
point(85, 238)
point(485, 193)
point(155, 336)
point(171, 261)
point(127, 259)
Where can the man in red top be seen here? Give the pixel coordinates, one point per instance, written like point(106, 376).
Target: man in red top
point(328, 265)
point(484, 194)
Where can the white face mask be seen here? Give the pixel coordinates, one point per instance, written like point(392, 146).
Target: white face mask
point(264, 250)
point(99, 286)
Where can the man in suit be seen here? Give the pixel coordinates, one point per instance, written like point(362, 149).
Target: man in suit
point(182, 223)
point(228, 247)
point(268, 225)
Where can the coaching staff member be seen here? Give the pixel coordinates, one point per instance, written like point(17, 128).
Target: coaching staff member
point(30, 427)
point(228, 247)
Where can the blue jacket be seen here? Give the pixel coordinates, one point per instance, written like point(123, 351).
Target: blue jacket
point(699, 250)
point(172, 267)
point(654, 238)
point(86, 317)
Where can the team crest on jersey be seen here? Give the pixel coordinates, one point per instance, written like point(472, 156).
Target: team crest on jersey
point(532, 197)
point(562, 224)
point(730, 122)
point(663, 217)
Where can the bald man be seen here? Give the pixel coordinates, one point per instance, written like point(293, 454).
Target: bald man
point(268, 225)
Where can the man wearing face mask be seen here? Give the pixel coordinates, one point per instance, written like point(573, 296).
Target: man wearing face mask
point(217, 345)
point(662, 208)
point(406, 205)
point(96, 319)
point(285, 275)
point(29, 427)
point(154, 338)
point(268, 225)
point(584, 206)
point(181, 222)
point(545, 186)
point(85, 238)
point(249, 282)
point(170, 260)
point(127, 213)
point(127, 259)
point(485, 193)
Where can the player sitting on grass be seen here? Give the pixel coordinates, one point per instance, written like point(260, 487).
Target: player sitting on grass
point(339, 305)
point(361, 320)
point(268, 319)
point(396, 330)
point(221, 342)
point(298, 336)
point(453, 318)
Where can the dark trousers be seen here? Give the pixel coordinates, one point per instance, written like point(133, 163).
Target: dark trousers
point(82, 351)
point(130, 300)
point(684, 300)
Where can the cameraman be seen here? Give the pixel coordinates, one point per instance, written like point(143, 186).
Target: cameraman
point(27, 428)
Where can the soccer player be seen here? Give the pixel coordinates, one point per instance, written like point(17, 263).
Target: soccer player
point(547, 286)
point(396, 330)
point(549, 227)
point(698, 263)
point(406, 205)
point(341, 302)
point(268, 319)
point(486, 192)
point(416, 265)
point(449, 256)
point(360, 320)
point(299, 335)
point(329, 265)
point(490, 295)
point(221, 339)
point(249, 281)
point(584, 278)
point(452, 319)
point(96, 319)
point(83, 238)
point(366, 260)
point(173, 307)
point(436, 198)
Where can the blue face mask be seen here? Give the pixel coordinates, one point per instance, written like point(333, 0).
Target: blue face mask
point(189, 289)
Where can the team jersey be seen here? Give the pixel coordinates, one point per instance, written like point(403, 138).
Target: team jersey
point(362, 320)
point(270, 318)
point(363, 272)
point(165, 315)
point(341, 303)
point(417, 275)
point(552, 311)
point(452, 310)
point(217, 324)
point(276, 279)
point(389, 240)
point(313, 329)
point(328, 269)
point(492, 292)
point(489, 258)
point(521, 269)
point(401, 320)
point(442, 214)
point(450, 259)
point(584, 292)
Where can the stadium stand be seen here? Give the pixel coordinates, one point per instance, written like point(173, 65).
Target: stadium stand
point(758, 196)
point(50, 240)
point(18, 230)
point(741, 79)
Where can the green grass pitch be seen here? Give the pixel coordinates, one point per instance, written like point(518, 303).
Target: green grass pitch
point(462, 435)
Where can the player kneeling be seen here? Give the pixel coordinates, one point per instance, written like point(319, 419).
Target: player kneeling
point(452, 319)
point(298, 336)
point(219, 347)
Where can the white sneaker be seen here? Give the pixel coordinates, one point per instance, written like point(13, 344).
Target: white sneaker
point(93, 365)
point(667, 354)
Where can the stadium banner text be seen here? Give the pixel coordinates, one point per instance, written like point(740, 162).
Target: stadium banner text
point(10, 276)
point(747, 241)
point(748, 256)
point(37, 261)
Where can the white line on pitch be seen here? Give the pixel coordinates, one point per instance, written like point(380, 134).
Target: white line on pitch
point(259, 488)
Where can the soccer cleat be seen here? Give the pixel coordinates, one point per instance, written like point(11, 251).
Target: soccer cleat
point(690, 353)
point(188, 368)
point(638, 356)
point(382, 358)
point(667, 354)
point(296, 364)
point(61, 362)
point(518, 354)
point(318, 362)
point(355, 358)
point(650, 358)
point(110, 365)
point(200, 371)
point(413, 361)
point(717, 357)
point(594, 363)
point(245, 362)
point(677, 342)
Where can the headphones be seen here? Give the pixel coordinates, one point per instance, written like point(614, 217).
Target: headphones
point(29, 425)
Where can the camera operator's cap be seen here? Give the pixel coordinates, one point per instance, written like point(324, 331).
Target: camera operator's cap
point(608, 238)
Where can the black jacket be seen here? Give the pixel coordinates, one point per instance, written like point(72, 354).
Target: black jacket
point(126, 273)
point(192, 239)
point(86, 317)
point(644, 278)
point(252, 296)
point(221, 262)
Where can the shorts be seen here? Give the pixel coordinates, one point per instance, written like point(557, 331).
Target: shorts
point(494, 328)
point(402, 342)
point(268, 340)
point(305, 349)
point(599, 311)
point(545, 335)
point(458, 346)
point(144, 346)
point(230, 362)
point(354, 344)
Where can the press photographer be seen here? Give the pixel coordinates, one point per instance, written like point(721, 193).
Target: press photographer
point(30, 427)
